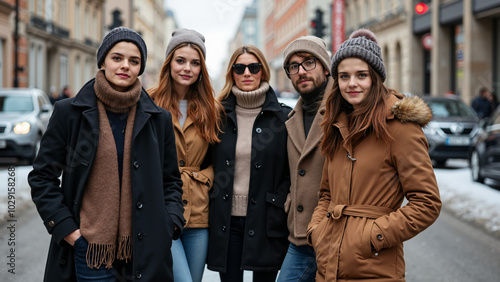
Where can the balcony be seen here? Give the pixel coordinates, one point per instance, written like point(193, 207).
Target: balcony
point(49, 27)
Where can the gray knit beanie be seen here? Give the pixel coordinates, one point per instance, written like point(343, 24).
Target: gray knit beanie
point(361, 44)
point(119, 34)
point(310, 44)
point(184, 35)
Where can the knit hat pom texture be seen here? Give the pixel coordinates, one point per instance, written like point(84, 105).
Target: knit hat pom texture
point(362, 44)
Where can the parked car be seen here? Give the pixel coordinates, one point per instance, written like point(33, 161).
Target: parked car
point(484, 157)
point(451, 130)
point(24, 116)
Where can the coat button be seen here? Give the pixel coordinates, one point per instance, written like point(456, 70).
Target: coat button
point(139, 205)
point(136, 164)
point(257, 166)
point(184, 202)
point(228, 163)
point(182, 163)
point(251, 233)
point(225, 197)
point(302, 172)
point(253, 202)
point(51, 223)
point(234, 130)
point(224, 228)
point(138, 275)
point(328, 214)
point(261, 113)
point(140, 236)
point(258, 130)
point(380, 237)
point(62, 261)
point(300, 208)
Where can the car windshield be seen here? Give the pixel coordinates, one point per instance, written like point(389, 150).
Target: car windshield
point(16, 104)
point(449, 108)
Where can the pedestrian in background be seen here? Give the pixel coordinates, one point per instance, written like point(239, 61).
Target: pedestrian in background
point(184, 89)
point(481, 104)
point(376, 155)
point(307, 64)
point(119, 204)
point(492, 97)
point(247, 217)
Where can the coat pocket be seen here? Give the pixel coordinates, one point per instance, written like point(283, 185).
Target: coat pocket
point(276, 224)
point(366, 244)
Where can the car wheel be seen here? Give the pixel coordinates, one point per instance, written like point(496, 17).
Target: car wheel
point(475, 167)
point(35, 151)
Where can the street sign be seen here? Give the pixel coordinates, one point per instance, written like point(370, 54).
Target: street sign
point(427, 41)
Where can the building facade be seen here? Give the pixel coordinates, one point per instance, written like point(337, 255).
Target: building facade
point(149, 18)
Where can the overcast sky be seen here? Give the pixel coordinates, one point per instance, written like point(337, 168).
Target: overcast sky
point(217, 20)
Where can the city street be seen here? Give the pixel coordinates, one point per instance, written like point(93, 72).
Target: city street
point(453, 249)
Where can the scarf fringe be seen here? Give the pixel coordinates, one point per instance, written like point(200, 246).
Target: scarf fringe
point(124, 248)
point(99, 254)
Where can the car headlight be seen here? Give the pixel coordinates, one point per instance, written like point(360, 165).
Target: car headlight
point(22, 127)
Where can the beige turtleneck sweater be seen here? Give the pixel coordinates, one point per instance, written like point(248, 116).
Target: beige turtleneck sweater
point(248, 106)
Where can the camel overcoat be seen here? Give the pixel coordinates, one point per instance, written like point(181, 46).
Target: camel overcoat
point(359, 226)
point(306, 166)
point(196, 178)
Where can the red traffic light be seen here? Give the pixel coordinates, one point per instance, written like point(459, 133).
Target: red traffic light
point(421, 8)
point(313, 23)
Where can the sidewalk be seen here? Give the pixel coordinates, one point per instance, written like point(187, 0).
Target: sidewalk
point(472, 202)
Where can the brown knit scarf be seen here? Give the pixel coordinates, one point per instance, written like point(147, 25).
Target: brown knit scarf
point(106, 213)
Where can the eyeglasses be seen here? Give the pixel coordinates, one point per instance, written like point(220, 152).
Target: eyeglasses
point(240, 68)
point(307, 65)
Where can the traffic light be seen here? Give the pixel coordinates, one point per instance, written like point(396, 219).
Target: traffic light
point(317, 24)
point(421, 8)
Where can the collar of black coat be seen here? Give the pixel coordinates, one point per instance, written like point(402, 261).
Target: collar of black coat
point(86, 98)
point(270, 104)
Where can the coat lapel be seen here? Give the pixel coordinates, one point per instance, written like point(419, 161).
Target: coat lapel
point(295, 127)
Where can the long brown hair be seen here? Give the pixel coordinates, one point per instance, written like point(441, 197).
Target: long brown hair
point(250, 49)
point(203, 108)
point(370, 116)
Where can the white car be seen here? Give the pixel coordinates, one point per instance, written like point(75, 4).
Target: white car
point(24, 116)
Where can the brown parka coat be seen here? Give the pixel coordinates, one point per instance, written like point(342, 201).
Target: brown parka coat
point(359, 226)
point(306, 165)
point(197, 179)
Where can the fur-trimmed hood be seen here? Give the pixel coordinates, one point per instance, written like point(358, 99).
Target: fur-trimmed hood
point(412, 109)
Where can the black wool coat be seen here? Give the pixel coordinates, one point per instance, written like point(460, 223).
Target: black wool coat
point(265, 240)
point(69, 147)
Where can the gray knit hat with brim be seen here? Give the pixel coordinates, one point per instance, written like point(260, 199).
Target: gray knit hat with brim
point(308, 44)
point(361, 44)
point(119, 34)
point(184, 35)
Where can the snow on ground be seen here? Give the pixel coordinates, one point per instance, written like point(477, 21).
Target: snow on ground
point(473, 202)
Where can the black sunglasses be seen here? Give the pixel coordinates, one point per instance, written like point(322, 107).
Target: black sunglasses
point(240, 68)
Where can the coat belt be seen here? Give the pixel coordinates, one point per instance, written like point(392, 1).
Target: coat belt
point(189, 169)
point(367, 211)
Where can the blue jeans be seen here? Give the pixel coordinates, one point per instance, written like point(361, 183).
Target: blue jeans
point(189, 254)
point(299, 264)
point(85, 273)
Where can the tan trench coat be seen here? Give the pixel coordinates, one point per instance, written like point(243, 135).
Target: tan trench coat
point(306, 166)
point(191, 150)
point(359, 226)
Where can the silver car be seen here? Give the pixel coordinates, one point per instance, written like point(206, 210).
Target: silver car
point(24, 116)
point(451, 130)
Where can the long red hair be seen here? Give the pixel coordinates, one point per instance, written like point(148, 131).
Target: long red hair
point(203, 108)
